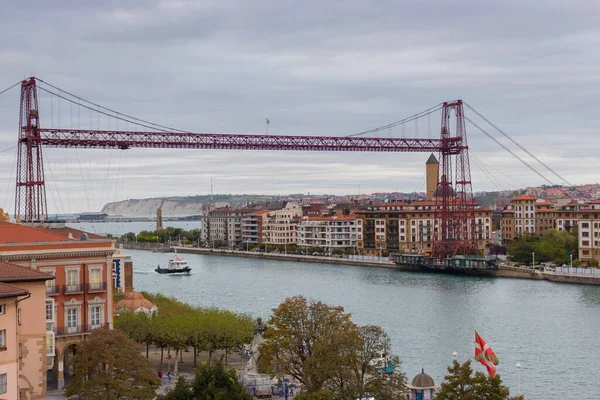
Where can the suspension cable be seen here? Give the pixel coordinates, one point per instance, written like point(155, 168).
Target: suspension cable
point(125, 117)
point(518, 145)
point(105, 113)
point(8, 88)
point(430, 110)
point(509, 150)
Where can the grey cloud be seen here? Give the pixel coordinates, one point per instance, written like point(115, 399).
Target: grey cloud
point(313, 68)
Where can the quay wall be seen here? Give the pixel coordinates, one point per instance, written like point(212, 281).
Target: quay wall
point(501, 272)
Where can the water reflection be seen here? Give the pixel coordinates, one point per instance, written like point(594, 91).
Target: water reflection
point(549, 328)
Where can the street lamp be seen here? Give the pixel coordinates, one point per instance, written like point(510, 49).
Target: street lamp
point(518, 379)
point(533, 259)
point(229, 295)
point(454, 355)
point(262, 315)
point(571, 260)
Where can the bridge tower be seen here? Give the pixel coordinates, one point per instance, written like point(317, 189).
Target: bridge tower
point(30, 198)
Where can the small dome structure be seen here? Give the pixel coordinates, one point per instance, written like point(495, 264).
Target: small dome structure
point(136, 302)
point(444, 187)
point(423, 380)
point(422, 387)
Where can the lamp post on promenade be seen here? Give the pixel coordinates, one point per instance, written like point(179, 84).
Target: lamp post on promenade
point(571, 260)
point(533, 260)
point(229, 295)
point(518, 379)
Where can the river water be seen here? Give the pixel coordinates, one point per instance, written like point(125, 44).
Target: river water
point(551, 329)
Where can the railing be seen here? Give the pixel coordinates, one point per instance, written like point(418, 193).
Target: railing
point(76, 330)
point(96, 287)
point(78, 288)
point(52, 290)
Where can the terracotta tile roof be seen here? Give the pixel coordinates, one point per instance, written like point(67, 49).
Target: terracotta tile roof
point(259, 212)
point(133, 301)
point(507, 211)
point(545, 210)
point(594, 202)
point(15, 273)
point(75, 233)
point(18, 233)
point(523, 197)
point(7, 290)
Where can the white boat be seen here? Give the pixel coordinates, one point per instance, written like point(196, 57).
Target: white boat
point(175, 266)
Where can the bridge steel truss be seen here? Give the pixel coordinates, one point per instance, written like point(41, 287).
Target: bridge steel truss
point(454, 215)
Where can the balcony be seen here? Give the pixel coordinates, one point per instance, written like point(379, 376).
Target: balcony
point(77, 330)
point(96, 287)
point(71, 289)
point(52, 290)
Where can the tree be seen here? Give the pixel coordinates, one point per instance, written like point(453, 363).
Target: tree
point(304, 340)
point(108, 365)
point(212, 382)
point(4, 215)
point(462, 384)
point(138, 326)
point(367, 369)
point(320, 395)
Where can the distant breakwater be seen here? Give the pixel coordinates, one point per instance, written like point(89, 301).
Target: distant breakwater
point(501, 272)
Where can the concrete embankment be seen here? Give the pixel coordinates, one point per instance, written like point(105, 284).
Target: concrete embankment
point(501, 272)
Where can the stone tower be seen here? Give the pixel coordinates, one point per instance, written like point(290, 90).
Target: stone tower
point(159, 224)
point(431, 170)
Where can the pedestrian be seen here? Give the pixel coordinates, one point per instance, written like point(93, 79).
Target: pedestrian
point(160, 375)
point(169, 376)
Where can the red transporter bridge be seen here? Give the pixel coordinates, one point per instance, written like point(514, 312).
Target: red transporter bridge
point(454, 211)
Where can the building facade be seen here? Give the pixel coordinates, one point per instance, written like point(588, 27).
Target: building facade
point(328, 232)
point(252, 227)
point(23, 335)
point(526, 215)
point(408, 227)
point(588, 225)
point(79, 298)
point(567, 217)
point(122, 271)
point(280, 227)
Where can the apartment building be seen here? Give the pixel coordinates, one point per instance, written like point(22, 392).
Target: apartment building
point(408, 227)
point(545, 217)
point(589, 231)
point(566, 216)
point(328, 232)
point(281, 226)
point(224, 225)
point(79, 298)
point(252, 227)
point(122, 267)
point(23, 336)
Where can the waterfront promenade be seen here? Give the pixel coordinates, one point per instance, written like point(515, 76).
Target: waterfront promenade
point(580, 276)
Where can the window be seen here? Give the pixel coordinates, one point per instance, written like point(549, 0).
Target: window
point(1, 309)
point(72, 320)
point(95, 278)
point(3, 339)
point(3, 388)
point(20, 352)
point(95, 316)
point(49, 310)
point(18, 316)
point(72, 277)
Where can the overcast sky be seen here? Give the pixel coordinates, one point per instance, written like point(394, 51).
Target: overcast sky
point(313, 68)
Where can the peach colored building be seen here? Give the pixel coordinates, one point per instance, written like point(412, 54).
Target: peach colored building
point(79, 298)
point(23, 337)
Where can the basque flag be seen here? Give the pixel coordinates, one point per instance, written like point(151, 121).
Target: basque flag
point(485, 355)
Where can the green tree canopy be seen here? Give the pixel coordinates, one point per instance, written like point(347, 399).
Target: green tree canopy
point(319, 346)
point(108, 365)
point(462, 384)
point(212, 382)
point(554, 246)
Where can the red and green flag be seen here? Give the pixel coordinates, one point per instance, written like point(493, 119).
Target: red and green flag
point(485, 355)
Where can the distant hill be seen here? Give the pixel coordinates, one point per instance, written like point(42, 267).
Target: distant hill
point(190, 205)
